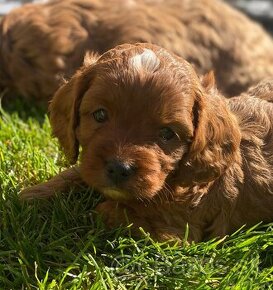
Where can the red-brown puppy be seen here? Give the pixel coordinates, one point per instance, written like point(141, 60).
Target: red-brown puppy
point(40, 43)
point(164, 147)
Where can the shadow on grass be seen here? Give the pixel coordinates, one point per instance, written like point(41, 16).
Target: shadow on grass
point(52, 233)
point(24, 108)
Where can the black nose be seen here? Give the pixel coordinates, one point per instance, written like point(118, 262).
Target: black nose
point(118, 171)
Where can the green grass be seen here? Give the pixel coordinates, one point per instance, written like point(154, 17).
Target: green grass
point(61, 244)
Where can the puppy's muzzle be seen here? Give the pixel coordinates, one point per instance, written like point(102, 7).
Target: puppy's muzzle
point(119, 172)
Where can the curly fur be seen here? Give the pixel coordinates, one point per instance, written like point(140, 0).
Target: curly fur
point(214, 174)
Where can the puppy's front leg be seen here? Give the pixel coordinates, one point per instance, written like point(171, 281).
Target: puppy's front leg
point(63, 182)
point(115, 214)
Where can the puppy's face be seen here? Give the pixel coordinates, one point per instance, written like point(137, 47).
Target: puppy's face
point(133, 133)
point(141, 119)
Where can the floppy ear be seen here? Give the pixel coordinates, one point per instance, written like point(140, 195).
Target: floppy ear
point(64, 108)
point(208, 82)
point(216, 138)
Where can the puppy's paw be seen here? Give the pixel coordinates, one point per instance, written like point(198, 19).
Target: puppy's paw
point(63, 182)
point(114, 215)
point(111, 213)
point(39, 191)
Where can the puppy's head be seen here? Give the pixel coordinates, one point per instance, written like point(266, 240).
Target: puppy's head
point(141, 118)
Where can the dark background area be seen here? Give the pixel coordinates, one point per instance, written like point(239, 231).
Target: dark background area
point(260, 10)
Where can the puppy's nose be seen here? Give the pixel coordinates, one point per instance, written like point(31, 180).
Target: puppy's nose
point(118, 171)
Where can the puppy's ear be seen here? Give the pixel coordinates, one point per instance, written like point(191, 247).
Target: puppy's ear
point(208, 82)
point(216, 139)
point(64, 108)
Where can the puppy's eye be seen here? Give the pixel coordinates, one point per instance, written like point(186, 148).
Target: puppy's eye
point(166, 134)
point(100, 115)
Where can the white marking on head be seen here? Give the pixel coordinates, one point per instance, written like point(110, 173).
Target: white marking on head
point(147, 60)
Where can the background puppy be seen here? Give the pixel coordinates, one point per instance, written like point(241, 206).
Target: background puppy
point(165, 148)
point(41, 42)
point(263, 90)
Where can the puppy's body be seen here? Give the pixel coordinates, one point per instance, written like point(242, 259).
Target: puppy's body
point(164, 146)
point(41, 42)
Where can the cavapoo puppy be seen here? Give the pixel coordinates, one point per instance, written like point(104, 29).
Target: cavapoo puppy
point(40, 43)
point(163, 146)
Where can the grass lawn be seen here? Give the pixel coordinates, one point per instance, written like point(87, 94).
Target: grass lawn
point(61, 244)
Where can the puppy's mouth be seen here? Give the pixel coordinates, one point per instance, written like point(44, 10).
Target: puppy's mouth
point(133, 174)
point(115, 194)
